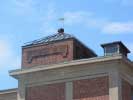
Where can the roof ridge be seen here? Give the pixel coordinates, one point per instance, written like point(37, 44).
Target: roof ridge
point(50, 38)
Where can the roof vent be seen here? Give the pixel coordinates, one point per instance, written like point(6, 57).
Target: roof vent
point(61, 31)
point(114, 48)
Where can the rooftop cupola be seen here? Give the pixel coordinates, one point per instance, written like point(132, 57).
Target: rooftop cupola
point(115, 48)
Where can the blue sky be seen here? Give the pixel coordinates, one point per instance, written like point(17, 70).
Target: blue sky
point(92, 21)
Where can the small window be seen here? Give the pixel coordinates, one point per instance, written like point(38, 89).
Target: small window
point(111, 50)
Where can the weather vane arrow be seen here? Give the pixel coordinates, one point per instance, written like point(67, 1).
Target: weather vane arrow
point(61, 20)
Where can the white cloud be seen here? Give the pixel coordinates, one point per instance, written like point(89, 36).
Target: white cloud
point(88, 19)
point(22, 3)
point(85, 18)
point(76, 17)
point(118, 27)
point(7, 58)
point(48, 19)
point(22, 7)
point(4, 49)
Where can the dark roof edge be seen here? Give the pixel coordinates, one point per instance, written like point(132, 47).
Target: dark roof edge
point(86, 47)
point(35, 45)
point(31, 43)
point(116, 42)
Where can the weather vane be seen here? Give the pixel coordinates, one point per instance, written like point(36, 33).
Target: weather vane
point(61, 20)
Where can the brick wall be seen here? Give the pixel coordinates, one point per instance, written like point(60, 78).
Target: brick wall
point(33, 56)
point(46, 92)
point(126, 90)
point(86, 89)
point(91, 89)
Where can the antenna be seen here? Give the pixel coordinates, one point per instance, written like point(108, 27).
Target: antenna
point(61, 20)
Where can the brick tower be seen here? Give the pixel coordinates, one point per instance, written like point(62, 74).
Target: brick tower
point(60, 47)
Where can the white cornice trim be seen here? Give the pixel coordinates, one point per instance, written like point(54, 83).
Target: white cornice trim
point(18, 72)
point(8, 91)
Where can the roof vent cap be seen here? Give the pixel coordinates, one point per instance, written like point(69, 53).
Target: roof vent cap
point(61, 31)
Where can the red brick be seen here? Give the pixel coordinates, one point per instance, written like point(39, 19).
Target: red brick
point(50, 58)
point(46, 92)
point(91, 89)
